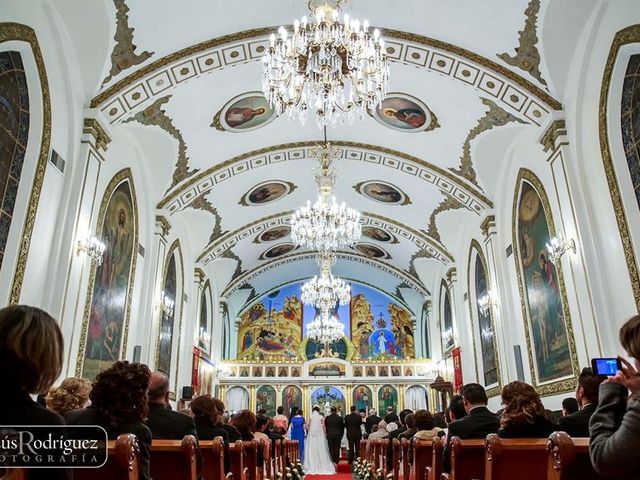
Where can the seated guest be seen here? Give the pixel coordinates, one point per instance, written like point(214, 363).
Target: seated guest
point(207, 419)
point(280, 420)
point(425, 425)
point(31, 350)
point(615, 425)
point(439, 420)
point(274, 435)
point(577, 424)
point(234, 434)
point(391, 416)
point(394, 434)
point(162, 422)
point(381, 432)
point(262, 421)
point(73, 393)
point(478, 423)
point(523, 415)
point(411, 427)
point(569, 405)
point(119, 405)
point(245, 422)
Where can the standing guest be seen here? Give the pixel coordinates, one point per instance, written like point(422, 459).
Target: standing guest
point(615, 425)
point(577, 423)
point(570, 405)
point(523, 415)
point(353, 423)
point(425, 425)
point(275, 435)
point(372, 420)
point(119, 405)
point(164, 423)
point(234, 434)
point(391, 416)
point(478, 423)
point(31, 349)
point(280, 420)
point(73, 393)
point(411, 427)
point(297, 431)
point(334, 426)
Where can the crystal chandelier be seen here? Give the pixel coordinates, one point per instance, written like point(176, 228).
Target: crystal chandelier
point(325, 225)
point(558, 246)
point(328, 66)
point(325, 291)
point(325, 328)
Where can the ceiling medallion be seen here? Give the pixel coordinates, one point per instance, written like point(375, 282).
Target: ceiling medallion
point(325, 65)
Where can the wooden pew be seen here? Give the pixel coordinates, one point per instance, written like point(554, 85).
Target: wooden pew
point(363, 449)
point(213, 460)
point(278, 458)
point(522, 459)
point(467, 459)
point(123, 462)
point(422, 453)
point(395, 458)
point(236, 460)
point(435, 469)
point(568, 459)
point(174, 459)
point(406, 464)
point(13, 474)
point(250, 458)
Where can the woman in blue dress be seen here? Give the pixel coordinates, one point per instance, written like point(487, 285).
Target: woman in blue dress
point(297, 431)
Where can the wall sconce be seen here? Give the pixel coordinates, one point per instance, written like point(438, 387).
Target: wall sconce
point(447, 336)
point(558, 246)
point(204, 338)
point(93, 247)
point(166, 306)
point(487, 302)
point(222, 372)
point(487, 333)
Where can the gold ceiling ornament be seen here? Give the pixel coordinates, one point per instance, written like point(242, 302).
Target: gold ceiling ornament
point(448, 203)
point(325, 65)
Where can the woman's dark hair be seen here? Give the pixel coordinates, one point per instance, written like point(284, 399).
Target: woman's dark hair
point(630, 337)
point(245, 422)
point(423, 420)
point(31, 349)
point(521, 404)
point(205, 407)
point(299, 412)
point(280, 410)
point(261, 421)
point(119, 393)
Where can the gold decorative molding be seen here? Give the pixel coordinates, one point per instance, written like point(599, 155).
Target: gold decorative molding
point(412, 262)
point(123, 55)
point(164, 225)
point(555, 130)
point(22, 33)
point(451, 275)
point(199, 275)
point(488, 225)
point(232, 256)
point(559, 386)
point(449, 203)
point(623, 37)
point(527, 57)
point(201, 203)
point(92, 127)
point(494, 117)
point(156, 116)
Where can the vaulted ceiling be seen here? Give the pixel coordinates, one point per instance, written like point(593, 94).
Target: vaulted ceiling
point(173, 73)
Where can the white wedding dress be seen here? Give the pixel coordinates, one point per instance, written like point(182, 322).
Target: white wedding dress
point(317, 460)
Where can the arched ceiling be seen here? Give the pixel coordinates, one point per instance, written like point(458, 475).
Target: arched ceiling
point(456, 61)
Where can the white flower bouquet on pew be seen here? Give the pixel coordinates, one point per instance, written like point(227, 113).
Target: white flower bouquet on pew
point(295, 472)
point(361, 470)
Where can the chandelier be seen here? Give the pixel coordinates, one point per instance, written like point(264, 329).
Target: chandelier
point(325, 291)
point(325, 65)
point(325, 328)
point(325, 225)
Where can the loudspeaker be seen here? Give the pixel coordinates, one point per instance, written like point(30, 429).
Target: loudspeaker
point(518, 356)
point(187, 393)
point(137, 350)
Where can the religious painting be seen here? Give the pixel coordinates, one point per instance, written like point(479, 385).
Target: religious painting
point(267, 192)
point(383, 371)
point(447, 319)
point(362, 398)
point(244, 371)
point(270, 372)
point(378, 234)
point(371, 372)
point(382, 192)
point(395, 371)
point(109, 310)
point(272, 327)
point(266, 399)
point(550, 345)
point(295, 372)
point(357, 371)
point(14, 118)
point(387, 397)
point(277, 251)
point(371, 251)
point(380, 329)
point(244, 113)
point(283, 372)
point(630, 121)
point(327, 397)
point(327, 369)
point(408, 372)
point(203, 321)
point(405, 113)
point(338, 349)
point(167, 318)
point(256, 371)
point(275, 233)
point(291, 398)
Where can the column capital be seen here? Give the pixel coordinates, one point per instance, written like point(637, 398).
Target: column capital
point(163, 225)
point(452, 275)
point(488, 226)
point(555, 134)
point(95, 130)
point(199, 275)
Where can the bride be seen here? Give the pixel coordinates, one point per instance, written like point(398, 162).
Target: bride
point(317, 460)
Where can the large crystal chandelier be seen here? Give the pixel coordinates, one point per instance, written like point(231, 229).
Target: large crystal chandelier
point(325, 328)
point(325, 65)
point(325, 291)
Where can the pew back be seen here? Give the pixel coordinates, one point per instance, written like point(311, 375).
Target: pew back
point(568, 459)
point(524, 459)
point(213, 459)
point(467, 459)
point(435, 469)
point(422, 453)
point(172, 459)
point(123, 462)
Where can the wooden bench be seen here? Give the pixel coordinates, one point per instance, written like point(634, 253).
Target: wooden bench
point(123, 462)
point(522, 459)
point(213, 460)
point(434, 471)
point(467, 459)
point(13, 474)
point(404, 452)
point(395, 458)
point(236, 460)
point(422, 453)
point(568, 459)
point(174, 459)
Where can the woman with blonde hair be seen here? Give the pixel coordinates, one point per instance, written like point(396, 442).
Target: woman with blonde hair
point(73, 393)
point(523, 415)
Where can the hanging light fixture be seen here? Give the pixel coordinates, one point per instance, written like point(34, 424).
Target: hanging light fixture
point(326, 291)
point(325, 328)
point(325, 65)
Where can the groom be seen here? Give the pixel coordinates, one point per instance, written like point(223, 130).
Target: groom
point(335, 429)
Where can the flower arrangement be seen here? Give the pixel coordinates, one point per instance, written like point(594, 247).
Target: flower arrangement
point(361, 470)
point(295, 472)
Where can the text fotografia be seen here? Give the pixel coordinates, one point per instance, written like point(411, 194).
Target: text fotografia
point(60, 446)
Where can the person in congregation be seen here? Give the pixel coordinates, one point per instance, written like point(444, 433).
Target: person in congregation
point(119, 405)
point(523, 415)
point(425, 425)
point(569, 405)
point(381, 432)
point(31, 356)
point(411, 429)
point(207, 419)
point(576, 424)
point(478, 423)
point(162, 422)
point(395, 434)
point(353, 423)
point(73, 393)
point(391, 416)
point(262, 421)
point(234, 434)
point(280, 420)
point(615, 424)
point(334, 427)
point(372, 419)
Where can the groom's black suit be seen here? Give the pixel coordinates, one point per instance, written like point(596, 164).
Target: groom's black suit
point(334, 426)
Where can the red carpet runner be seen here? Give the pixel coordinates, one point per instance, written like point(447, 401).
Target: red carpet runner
point(343, 473)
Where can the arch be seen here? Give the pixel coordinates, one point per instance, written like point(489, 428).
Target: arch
point(291, 398)
point(236, 399)
point(416, 398)
point(446, 324)
point(536, 231)
point(205, 316)
point(266, 399)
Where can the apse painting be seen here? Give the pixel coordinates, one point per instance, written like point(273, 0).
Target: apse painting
point(546, 321)
point(267, 192)
point(108, 311)
point(244, 113)
point(275, 233)
point(382, 192)
point(378, 234)
point(327, 397)
point(405, 113)
point(387, 397)
point(14, 119)
point(272, 327)
point(291, 398)
point(380, 329)
point(266, 399)
point(447, 320)
point(167, 319)
point(362, 398)
point(485, 325)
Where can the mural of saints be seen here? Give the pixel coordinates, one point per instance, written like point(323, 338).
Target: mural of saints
point(266, 399)
point(387, 397)
point(362, 398)
point(291, 397)
point(361, 324)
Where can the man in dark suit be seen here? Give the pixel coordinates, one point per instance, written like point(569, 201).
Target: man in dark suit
point(577, 424)
point(353, 422)
point(334, 426)
point(391, 416)
point(162, 422)
point(478, 423)
point(372, 420)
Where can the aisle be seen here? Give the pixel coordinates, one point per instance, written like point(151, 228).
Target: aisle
point(343, 473)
